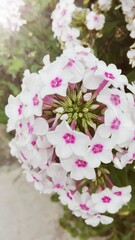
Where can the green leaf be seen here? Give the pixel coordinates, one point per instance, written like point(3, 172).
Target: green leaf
point(3, 117)
point(11, 86)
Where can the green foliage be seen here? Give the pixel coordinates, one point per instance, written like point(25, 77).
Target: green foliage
point(123, 227)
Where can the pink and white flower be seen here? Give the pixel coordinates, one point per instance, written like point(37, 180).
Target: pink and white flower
point(79, 167)
point(123, 193)
point(73, 142)
point(100, 150)
point(95, 21)
point(106, 201)
point(94, 220)
point(85, 206)
point(54, 82)
point(118, 125)
point(111, 74)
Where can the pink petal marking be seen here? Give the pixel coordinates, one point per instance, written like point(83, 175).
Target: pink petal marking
point(81, 163)
point(97, 148)
point(115, 123)
point(119, 193)
point(69, 138)
point(69, 196)
point(70, 63)
point(84, 207)
point(115, 99)
point(109, 75)
point(35, 100)
point(106, 199)
point(56, 82)
point(20, 109)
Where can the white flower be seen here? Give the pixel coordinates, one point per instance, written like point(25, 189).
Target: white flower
point(100, 150)
point(113, 98)
point(123, 193)
point(118, 125)
point(54, 82)
point(14, 110)
point(79, 53)
point(106, 201)
point(79, 167)
point(85, 206)
point(111, 74)
point(69, 36)
point(95, 21)
point(62, 16)
point(71, 141)
point(68, 197)
point(36, 177)
point(26, 128)
point(91, 80)
point(58, 177)
point(73, 70)
point(94, 220)
point(32, 101)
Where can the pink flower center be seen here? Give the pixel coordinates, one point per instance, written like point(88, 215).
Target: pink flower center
point(69, 138)
point(35, 100)
point(106, 199)
point(119, 193)
point(70, 63)
point(84, 207)
point(58, 185)
point(81, 163)
point(56, 82)
point(33, 142)
point(115, 99)
point(97, 148)
point(133, 155)
point(109, 75)
point(115, 123)
point(20, 109)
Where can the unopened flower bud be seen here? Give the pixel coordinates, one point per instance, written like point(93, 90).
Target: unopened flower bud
point(59, 110)
point(64, 117)
point(84, 90)
point(87, 97)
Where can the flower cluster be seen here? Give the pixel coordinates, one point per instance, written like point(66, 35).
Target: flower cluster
point(10, 15)
point(63, 16)
point(69, 22)
point(71, 120)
